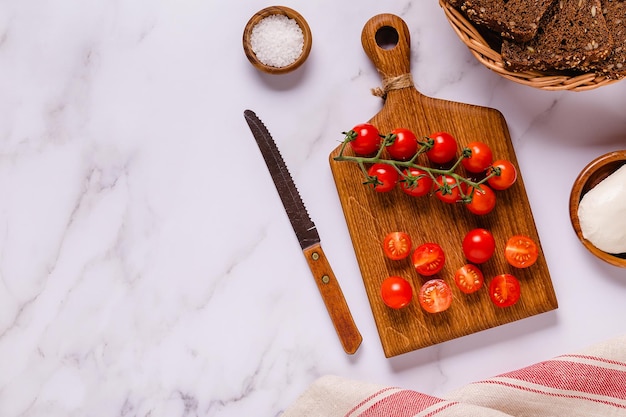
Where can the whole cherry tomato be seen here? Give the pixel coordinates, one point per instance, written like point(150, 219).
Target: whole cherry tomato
point(521, 251)
point(446, 189)
point(435, 296)
point(383, 177)
point(479, 159)
point(428, 259)
point(507, 174)
point(364, 139)
point(396, 292)
point(478, 245)
point(404, 145)
point(397, 245)
point(469, 278)
point(444, 148)
point(416, 182)
point(504, 290)
point(483, 200)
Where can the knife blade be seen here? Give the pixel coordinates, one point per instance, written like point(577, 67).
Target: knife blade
point(307, 235)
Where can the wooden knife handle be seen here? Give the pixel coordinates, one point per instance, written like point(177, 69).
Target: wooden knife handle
point(333, 298)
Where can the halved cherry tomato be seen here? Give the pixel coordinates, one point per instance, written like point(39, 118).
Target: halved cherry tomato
point(396, 292)
point(435, 296)
point(404, 146)
point(416, 183)
point(507, 174)
point(383, 177)
point(483, 200)
point(428, 259)
point(521, 251)
point(446, 189)
point(478, 245)
point(504, 290)
point(444, 148)
point(364, 139)
point(479, 159)
point(397, 245)
point(469, 278)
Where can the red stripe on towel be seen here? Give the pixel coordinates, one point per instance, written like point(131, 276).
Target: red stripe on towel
point(570, 395)
point(403, 403)
point(574, 376)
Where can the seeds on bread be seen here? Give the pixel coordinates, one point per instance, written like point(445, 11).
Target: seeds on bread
point(614, 66)
point(574, 36)
point(517, 20)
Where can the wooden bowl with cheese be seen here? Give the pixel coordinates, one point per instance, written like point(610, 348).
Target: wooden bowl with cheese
point(598, 207)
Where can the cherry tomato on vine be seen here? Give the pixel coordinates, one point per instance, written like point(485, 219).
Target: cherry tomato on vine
point(397, 245)
point(483, 200)
point(507, 177)
point(416, 183)
point(504, 290)
point(444, 148)
point(364, 139)
point(480, 158)
point(435, 296)
point(396, 292)
point(404, 146)
point(478, 245)
point(469, 278)
point(428, 259)
point(446, 189)
point(386, 177)
point(521, 251)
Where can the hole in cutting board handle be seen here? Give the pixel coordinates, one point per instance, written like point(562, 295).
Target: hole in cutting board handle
point(387, 37)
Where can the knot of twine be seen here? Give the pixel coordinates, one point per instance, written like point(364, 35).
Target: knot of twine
point(393, 83)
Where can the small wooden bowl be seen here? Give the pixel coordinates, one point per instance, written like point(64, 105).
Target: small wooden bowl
point(589, 177)
point(270, 11)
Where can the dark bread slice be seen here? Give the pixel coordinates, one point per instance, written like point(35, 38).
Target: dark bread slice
point(614, 66)
point(574, 36)
point(517, 20)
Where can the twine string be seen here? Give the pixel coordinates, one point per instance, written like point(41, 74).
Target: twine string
point(393, 83)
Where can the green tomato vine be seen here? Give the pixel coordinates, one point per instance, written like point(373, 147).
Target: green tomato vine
point(411, 180)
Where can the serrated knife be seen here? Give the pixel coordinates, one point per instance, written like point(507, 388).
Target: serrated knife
point(307, 235)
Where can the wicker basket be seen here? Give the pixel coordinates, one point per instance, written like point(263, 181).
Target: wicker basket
point(492, 59)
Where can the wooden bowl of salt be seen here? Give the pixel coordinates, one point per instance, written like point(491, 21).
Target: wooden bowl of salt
point(277, 40)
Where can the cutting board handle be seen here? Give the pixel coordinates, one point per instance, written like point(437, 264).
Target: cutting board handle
point(387, 42)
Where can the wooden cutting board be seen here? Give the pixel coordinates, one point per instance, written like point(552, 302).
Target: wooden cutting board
point(370, 215)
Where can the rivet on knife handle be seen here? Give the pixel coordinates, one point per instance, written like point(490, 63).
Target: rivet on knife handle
point(307, 235)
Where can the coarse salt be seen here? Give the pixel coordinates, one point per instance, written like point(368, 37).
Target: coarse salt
point(277, 40)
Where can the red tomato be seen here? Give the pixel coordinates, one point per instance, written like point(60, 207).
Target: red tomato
point(396, 292)
point(521, 251)
point(478, 245)
point(428, 259)
point(447, 189)
point(416, 182)
point(444, 148)
point(469, 278)
point(383, 177)
point(364, 139)
point(435, 296)
point(505, 174)
point(397, 245)
point(404, 146)
point(478, 158)
point(504, 290)
point(483, 200)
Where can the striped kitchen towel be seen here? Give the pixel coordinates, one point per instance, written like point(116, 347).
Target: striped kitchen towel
point(591, 383)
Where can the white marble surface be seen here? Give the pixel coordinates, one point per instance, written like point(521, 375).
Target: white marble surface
point(147, 267)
